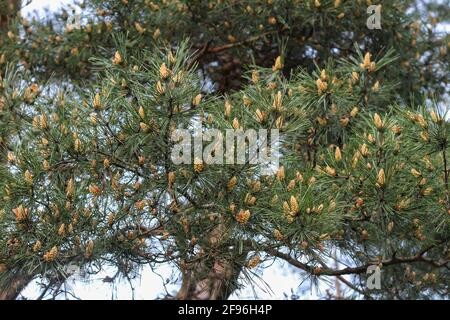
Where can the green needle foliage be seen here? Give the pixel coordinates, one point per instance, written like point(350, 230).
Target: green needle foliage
point(87, 115)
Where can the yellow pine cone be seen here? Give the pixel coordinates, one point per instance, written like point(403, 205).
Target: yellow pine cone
point(377, 121)
point(49, 256)
point(89, 249)
point(21, 213)
point(381, 179)
point(164, 72)
point(278, 64)
point(253, 262)
point(117, 58)
point(243, 216)
point(338, 154)
point(278, 235)
point(232, 183)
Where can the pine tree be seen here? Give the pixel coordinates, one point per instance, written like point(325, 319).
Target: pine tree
point(88, 113)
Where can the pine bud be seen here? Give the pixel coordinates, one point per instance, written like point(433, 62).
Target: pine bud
point(62, 230)
point(323, 75)
point(144, 127)
point(228, 108)
point(10, 157)
point(256, 186)
point(28, 177)
point(250, 200)
point(321, 86)
point(45, 165)
point(366, 61)
point(235, 123)
point(163, 71)
point(344, 121)
point(43, 122)
point(253, 262)
point(232, 183)
point(70, 188)
point(277, 102)
point(329, 170)
point(37, 246)
point(171, 178)
point(198, 166)
point(156, 34)
point(376, 86)
point(141, 112)
point(278, 235)
point(171, 58)
point(338, 154)
point(415, 173)
point(427, 191)
point(97, 103)
point(435, 117)
point(196, 101)
point(279, 122)
point(424, 135)
point(278, 64)
point(51, 255)
point(255, 76)
point(260, 116)
point(243, 216)
point(247, 101)
point(381, 178)
point(364, 150)
point(77, 145)
point(390, 226)
point(294, 205)
point(280, 173)
point(117, 58)
point(94, 189)
point(21, 214)
point(159, 88)
point(89, 249)
point(291, 185)
point(377, 121)
point(93, 118)
point(322, 121)
point(139, 28)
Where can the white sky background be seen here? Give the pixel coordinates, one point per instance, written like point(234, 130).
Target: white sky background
point(280, 277)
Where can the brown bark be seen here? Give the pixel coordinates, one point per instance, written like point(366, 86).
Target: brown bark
point(212, 278)
point(8, 9)
point(12, 288)
point(216, 284)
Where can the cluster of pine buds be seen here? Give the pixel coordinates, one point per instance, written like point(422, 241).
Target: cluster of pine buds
point(367, 64)
point(253, 262)
point(51, 255)
point(243, 216)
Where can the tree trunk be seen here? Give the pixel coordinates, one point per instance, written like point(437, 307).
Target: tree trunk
point(218, 283)
point(13, 287)
point(212, 278)
point(8, 9)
